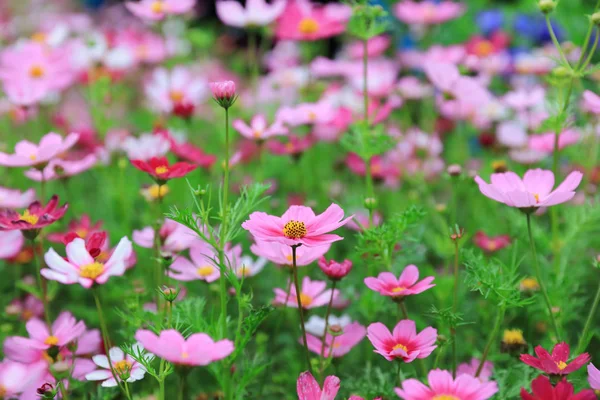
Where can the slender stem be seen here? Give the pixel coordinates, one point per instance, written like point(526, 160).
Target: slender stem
point(223, 232)
point(491, 340)
point(41, 284)
point(538, 274)
point(161, 389)
point(555, 41)
point(300, 309)
point(127, 392)
point(583, 341)
point(365, 80)
point(181, 386)
point(403, 309)
point(327, 313)
point(156, 246)
point(63, 390)
point(454, 309)
point(454, 355)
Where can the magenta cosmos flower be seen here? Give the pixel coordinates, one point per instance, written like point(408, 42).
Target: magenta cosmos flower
point(258, 128)
point(312, 294)
point(339, 345)
point(308, 388)
point(427, 12)
point(333, 269)
point(256, 13)
point(403, 343)
point(198, 349)
point(15, 378)
point(80, 267)
point(298, 225)
point(406, 285)
point(29, 154)
point(155, 10)
point(543, 389)
point(443, 387)
point(593, 376)
point(35, 217)
point(62, 169)
point(281, 254)
point(533, 191)
point(491, 244)
point(303, 20)
point(224, 93)
point(557, 362)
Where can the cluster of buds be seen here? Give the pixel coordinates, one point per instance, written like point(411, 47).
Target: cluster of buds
point(456, 233)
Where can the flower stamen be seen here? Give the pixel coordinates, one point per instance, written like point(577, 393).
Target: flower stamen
point(294, 230)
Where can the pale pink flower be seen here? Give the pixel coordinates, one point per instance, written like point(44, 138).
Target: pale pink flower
point(156, 10)
point(61, 169)
point(11, 243)
point(169, 91)
point(340, 345)
point(376, 46)
point(29, 154)
point(406, 285)
point(15, 378)
point(308, 388)
point(472, 367)
point(14, 198)
point(524, 98)
point(198, 349)
point(544, 143)
point(298, 225)
point(122, 364)
point(27, 308)
point(306, 114)
point(427, 12)
point(312, 294)
point(381, 78)
point(533, 191)
point(316, 325)
point(512, 134)
point(80, 267)
point(303, 20)
point(258, 129)
point(146, 146)
point(281, 254)
point(202, 264)
point(403, 343)
point(256, 13)
point(442, 385)
point(593, 376)
point(591, 102)
point(411, 88)
point(173, 236)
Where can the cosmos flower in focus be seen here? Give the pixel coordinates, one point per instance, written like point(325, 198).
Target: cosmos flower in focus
point(557, 362)
point(281, 254)
point(543, 389)
point(308, 388)
point(34, 218)
point(123, 365)
point(403, 343)
point(442, 386)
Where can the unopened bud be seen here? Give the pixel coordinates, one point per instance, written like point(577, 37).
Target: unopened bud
point(561, 72)
point(546, 6)
point(335, 330)
point(370, 203)
point(596, 18)
point(454, 170)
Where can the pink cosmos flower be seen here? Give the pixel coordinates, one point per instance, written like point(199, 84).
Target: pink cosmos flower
point(174, 237)
point(543, 389)
point(123, 364)
point(15, 378)
point(544, 143)
point(188, 152)
point(591, 102)
point(308, 388)
point(80, 267)
point(403, 343)
point(593, 376)
point(26, 309)
point(28, 154)
point(11, 243)
point(471, 369)
point(281, 254)
point(295, 146)
point(298, 225)
point(198, 349)
point(14, 198)
point(306, 114)
point(224, 93)
point(533, 191)
point(256, 13)
point(145, 147)
point(491, 244)
point(156, 10)
point(258, 129)
point(62, 169)
point(335, 270)
point(172, 91)
point(201, 265)
point(303, 20)
point(376, 46)
point(427, 12)
point(339, 345)
point(312, 294)
point(557, 362)
point(443, 386)
point(405, 285)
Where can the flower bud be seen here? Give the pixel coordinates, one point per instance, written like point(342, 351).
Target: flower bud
point(454, 170)
point(335, 270)
point(46, 391)
point(335, 330)
point(224, 93)
point(370, 203)
point(596, 18)
point(169, 293)
point(546, 6)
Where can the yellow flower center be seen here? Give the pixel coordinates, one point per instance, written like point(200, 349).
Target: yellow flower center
point(305, 300)
point(530, 284)
point(156, 191)
point(27, 315)
point(122, 367)
point(294, 230)
point(492, 246)
point(185, 355)
point(51, 341)
point(445, 397)
point(537, 197)
point(257, 134)
point(91, 271)
point(176, 96)
point(39, 37)
point(308, 26)
point(3, 391)
point(31, 219)
point(205, 270)
point(36, 71)
point(161, 170)
point(398, 289)
point(81, 232)
point(400, 346)
point(484, 48)
point(244, 271)
point(312, 116)
point(157, 7)
point(561, 365)
point(513, 336)
point(33, 157)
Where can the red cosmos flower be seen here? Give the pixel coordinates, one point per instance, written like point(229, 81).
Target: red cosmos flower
point(160, 170)
point(542, 389)
point(82, 228)
point(491, 244)
point(555, 364)
point(34, 218)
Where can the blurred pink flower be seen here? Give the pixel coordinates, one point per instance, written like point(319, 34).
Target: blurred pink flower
point(376, 46)
point(11, 243)
point(174, 237)
point(15, 378)
point(387, 284)
point(306, 114)
point(298, 225)
point(362, 221)
point(198, 349)
point(593, 376)
point(333, 269)
point(427, 12)
point(122, 364)
point(403, 343)
point(471, 369)
point(172, 91)
point(308, 388)
point(339, 345)
point(256, 13)
point(200, 266)
point(533, 191)
point(544, 143)
point(295, 146)
point(80, 267)
point(145, 147)
point(156, 10)
point(29, 154)
point(442, 385)
point(491, 244)
point(14, 198)
point(62, 169)
point(30, 307)
point(281, 254)
point(258, 129)
point(591, 102)
point(312, 294)
point(303, 20)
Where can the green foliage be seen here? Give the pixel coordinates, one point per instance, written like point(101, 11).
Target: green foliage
point(367, 141)
point(367, 20)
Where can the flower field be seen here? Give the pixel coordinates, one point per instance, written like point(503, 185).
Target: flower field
point(299, 199)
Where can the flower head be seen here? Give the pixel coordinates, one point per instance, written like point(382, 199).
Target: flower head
point(15, 377)
point(312, 294)
point(298, 225)
point(176, 92)
point(258, 129)
point(281, 254)
point(161, 171)
point(146, 147)
point(198, 349)
point(173, 236)
point(14, 198)
point(303, 20)
point(593, 376)
point(472, 367)
point(427, 12)
point(82, 227)
point(531, 192)
point(557, 362)
point(125, 367)
point(11, 243)
point(542, 389)
point(491, 244)
point(34, 218)
point(335, 270)
point(308, 388)
point(339, 345)
point(256, 13)
point(156, 10)
point(403, 343)
point(443, 387)
point(29, 154)
point(224, 93)
point(62, 169)
point(406, 285)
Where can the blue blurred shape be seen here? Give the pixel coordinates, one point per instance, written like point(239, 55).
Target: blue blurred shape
point(490, 21)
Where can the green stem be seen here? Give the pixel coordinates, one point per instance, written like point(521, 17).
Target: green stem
point(223, 232)
point(556, 43)
point(538, 274)
point(300, 308)
point(583, 341)
point(454, 309)
point(491, 340)
point(327, 313)
point(591, 54)
point(403, 310)
point(41, 285)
